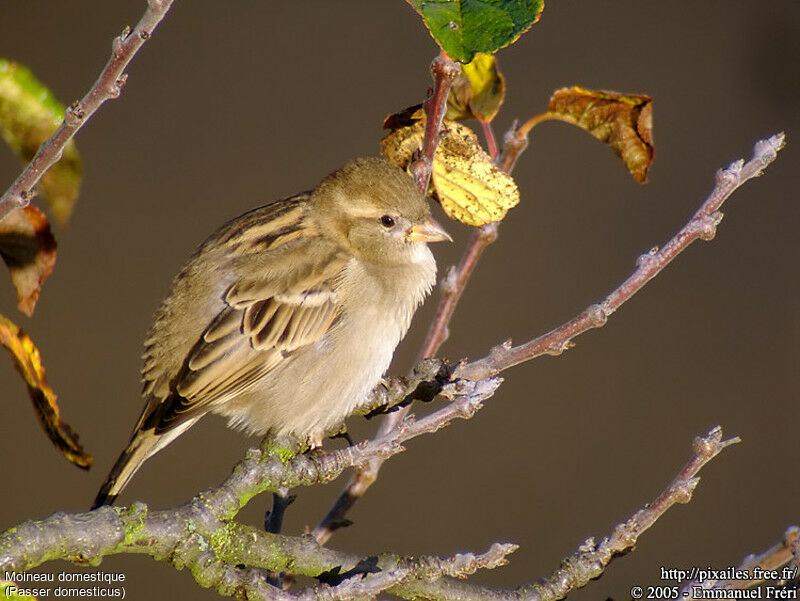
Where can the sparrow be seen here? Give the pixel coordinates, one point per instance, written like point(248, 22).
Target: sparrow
point(287, 316)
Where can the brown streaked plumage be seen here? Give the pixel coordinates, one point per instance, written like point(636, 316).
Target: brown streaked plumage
point(285, 318)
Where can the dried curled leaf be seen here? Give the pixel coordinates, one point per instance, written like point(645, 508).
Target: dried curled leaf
point(29, 365)
point(29, 251)
point(478, 92)
point(29, 114)
point(624, 122)
point(466, 182)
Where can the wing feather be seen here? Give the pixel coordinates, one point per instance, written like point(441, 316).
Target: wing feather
point(211, 352)
point(227, 322)
point(257, 315)
point(260, 326)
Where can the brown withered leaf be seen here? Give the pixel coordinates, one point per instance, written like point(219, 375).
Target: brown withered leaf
point(478, 92)
point(29, 250)
point(623, 121)
point(408, 116)
point(470, 188)
point(29, 365)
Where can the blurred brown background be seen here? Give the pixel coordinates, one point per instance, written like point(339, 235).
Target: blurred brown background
point(234, 103)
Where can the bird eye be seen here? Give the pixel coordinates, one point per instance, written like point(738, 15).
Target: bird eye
point(386, 221)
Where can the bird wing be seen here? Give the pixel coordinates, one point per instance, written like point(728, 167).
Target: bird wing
point(268, 314)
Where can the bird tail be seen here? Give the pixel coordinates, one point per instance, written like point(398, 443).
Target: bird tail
point(143, 444)
point(130, 460)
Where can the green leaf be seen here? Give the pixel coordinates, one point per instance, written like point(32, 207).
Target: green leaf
point(29, 114)
point(14, 592)
point(464, 27)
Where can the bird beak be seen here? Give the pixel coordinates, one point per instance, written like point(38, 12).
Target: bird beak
point(428, 231)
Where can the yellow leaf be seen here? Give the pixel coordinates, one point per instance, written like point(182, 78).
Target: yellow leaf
point(29, 365)
point(479, 91)
point(469, 186)
point(408, 130)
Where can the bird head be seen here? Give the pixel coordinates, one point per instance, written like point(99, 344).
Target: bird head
point(376, 210)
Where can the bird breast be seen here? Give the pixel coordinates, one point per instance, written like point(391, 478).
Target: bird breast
point(333, 376)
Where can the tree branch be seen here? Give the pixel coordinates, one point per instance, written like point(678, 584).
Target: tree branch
point(702, 225)
point(453, 286)
point(785, 552)
point(232, 558)
point(268, 470)
point(108, 86)
point(214, 551)
point(590, 560)
point(491, 142)
point(514, 145)
point(444, 73)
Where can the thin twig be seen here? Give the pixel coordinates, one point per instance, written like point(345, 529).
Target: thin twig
point(590, 561)
point(251, 584)
point(513, 146)
point(470, 397)
point(782, 556)
point(703, 225)
point(453, 286)
point(491, 142)
point(516, 139)
point(273, 523)
point(108, 86)
point(444, 72)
